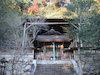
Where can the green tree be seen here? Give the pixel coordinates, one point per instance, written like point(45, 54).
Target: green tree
point(82, 10)
point(10, 25)
point(92, 28)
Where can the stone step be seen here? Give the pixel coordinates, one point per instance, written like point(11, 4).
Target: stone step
point(53, 61)
point(54, 69)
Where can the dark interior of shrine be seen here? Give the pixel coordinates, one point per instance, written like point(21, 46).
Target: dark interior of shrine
point(56, 27)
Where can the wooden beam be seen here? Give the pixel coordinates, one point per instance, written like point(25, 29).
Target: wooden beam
point(47, 23)
point(24, 33)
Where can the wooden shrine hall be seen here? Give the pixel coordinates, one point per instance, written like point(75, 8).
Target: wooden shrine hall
point(51, 44)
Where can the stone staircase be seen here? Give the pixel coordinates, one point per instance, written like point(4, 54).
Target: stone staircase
point(54, 69)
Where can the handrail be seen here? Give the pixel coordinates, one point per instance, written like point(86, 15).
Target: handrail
point(33, 67)
point(77, 69)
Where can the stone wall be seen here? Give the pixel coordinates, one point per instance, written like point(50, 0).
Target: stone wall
point(90, 61)
point(17, 64)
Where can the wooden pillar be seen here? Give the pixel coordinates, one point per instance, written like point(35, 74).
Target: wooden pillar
point(54, 51)
point(24, 34)
point(33, 53)
point(62, 48)
point(74, 54)
point(44, 48)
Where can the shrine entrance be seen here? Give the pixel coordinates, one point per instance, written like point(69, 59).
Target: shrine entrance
point(52, 45)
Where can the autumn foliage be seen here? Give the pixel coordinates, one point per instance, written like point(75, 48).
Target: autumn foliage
point(34, 9)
